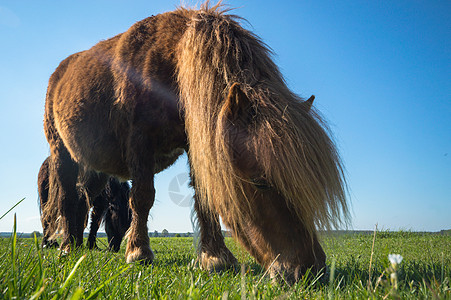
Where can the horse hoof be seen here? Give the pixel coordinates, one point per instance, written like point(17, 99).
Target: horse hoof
point(221, 263)
point(143, 255)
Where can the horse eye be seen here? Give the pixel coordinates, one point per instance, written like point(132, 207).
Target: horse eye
point(261, 183)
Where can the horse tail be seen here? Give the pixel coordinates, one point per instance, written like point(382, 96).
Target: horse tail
point(50, 211)
point(43, 184)
point(49, 208)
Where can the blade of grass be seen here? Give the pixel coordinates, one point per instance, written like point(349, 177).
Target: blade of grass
point(30, 275)
point(13, 255)
point(96, 292)
point(41, 269)
point(40, 286)
point(370, 286)
point(25, 265)
point(69, 278)
point(11, 208)
point(38, 293)
point(267, 270)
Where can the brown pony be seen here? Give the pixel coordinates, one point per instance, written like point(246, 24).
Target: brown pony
point(110, 207)
point(196, 81)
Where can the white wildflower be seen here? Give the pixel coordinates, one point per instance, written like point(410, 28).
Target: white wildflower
point(395, 259)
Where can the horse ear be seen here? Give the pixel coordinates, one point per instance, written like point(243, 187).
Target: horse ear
point(236, 102)
point(309, 102)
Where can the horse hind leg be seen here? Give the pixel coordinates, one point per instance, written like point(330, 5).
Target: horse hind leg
point(214, 256)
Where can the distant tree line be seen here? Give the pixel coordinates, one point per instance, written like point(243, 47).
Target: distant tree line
point(166, 233)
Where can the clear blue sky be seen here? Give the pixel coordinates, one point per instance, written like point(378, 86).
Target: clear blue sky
point(380, 71)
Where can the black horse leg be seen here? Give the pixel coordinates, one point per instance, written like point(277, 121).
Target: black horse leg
point(91, 185)
point(100, 204)
point(118, 214)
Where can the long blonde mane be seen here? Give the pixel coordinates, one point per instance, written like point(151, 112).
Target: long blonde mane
point(292, 145)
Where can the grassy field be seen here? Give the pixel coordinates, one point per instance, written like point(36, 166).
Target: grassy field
point(27, 272)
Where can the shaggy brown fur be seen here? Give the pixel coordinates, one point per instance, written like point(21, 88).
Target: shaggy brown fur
point(260, 157)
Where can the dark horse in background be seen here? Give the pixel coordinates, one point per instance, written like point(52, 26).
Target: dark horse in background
point(190, 80)
point(110, 207)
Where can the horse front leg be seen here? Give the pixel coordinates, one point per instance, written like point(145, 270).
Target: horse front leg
point(213, 254)
point(142, 197)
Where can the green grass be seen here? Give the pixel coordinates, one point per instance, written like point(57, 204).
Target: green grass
point(27, 272)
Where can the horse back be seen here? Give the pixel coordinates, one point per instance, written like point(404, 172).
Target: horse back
point(97, 98)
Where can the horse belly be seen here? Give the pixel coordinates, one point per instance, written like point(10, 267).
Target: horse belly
point(166, 160)
point(96, 134)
